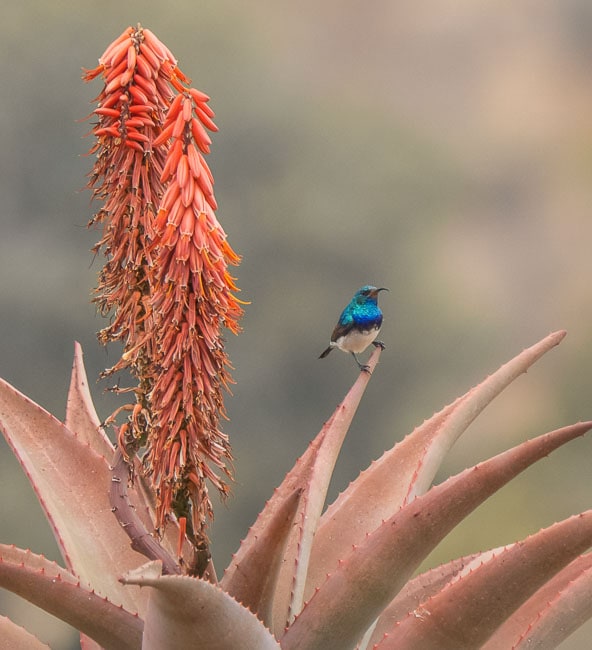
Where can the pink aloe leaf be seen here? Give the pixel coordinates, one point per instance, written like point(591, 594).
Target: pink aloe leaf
point(186, 612)
point(72, 483)
point(311, 474)
point(556, 610)
point(419, 589)
point(416, 590)
point(86, 643)
point(82, 419)
point(81, 416)
point(371, 574)
point(15, 637)
point(142, 497)
point(467, 611)
point(408, 469)
point(254, 583)
point(60, 593)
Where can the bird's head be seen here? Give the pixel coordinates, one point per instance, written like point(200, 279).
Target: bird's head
point(368, 293)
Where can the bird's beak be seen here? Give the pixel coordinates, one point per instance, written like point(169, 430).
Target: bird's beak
point(381, 289)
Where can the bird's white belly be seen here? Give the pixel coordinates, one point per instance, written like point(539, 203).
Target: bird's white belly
point(356, 341)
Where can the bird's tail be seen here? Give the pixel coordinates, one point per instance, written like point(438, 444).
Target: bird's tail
point(326, 352)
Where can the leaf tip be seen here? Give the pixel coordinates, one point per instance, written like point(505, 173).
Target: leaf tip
point(146, 574)
point(560, 335)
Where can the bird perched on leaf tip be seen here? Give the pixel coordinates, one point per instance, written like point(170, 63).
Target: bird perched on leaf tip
point(358, 325)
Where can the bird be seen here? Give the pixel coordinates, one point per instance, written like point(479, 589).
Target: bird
point(358, 325)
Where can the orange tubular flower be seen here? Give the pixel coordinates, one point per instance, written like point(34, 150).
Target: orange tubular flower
point(166, 278)
point(192, 300)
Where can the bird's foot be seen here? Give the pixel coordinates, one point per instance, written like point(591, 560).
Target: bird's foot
point(362, 366)
point(379, 344)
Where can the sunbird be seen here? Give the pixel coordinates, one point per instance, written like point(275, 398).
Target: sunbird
point(358, 325)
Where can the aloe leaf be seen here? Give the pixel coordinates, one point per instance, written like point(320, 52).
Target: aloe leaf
point(81, 416)
point(72, 483)
point(15, 637)
point(550, 615)
point(142, 498)
point(255, 583)
point(372, 573)
point(58, 592)
point(408, 469)
point(86, 643)
point(419, 589)
point(186, 612)
point(82, 419)
point(141, 539)
point(466, 612)
point(311, 474)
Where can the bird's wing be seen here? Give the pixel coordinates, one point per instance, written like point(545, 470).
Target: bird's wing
point(344, 326)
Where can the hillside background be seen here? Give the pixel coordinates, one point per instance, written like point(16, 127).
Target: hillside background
point(443, 150)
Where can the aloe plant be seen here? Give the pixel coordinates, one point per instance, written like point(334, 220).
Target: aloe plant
point(302, 578)
point(305, 577)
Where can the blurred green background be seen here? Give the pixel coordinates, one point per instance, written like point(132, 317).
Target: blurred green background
point(443, 150)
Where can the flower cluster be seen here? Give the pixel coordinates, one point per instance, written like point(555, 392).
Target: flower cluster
point(165, 281)
point(192, 299)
